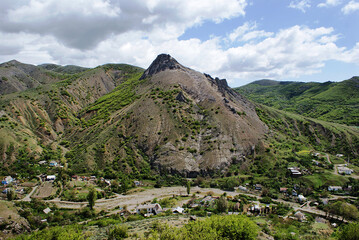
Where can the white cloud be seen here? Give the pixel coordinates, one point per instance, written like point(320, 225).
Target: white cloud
point(300, 5)
point(248, 32)
point(83, 24)
point(330, 3)
point(351, 7)
point(244, 54)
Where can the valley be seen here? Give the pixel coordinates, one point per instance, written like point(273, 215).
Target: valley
point(94, 145)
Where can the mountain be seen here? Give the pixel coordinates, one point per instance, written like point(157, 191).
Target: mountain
point(329, 101)
point(120, 121)
point(174, 118)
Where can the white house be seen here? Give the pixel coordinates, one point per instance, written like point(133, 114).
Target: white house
point(50, 177)
point(301, 198)
point(345, 170)
point(154, 208)
point(335, 188)
point(178, 210)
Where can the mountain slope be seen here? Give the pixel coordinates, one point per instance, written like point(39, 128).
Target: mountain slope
point(172, 117)
point(329, 101)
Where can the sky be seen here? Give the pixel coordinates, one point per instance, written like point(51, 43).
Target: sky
point(240, 40)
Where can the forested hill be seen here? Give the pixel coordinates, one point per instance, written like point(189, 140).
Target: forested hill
point(329, 101)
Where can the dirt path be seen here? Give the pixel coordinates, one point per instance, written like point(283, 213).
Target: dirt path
point(27, 198)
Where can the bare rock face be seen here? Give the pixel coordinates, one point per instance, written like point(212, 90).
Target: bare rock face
point(161, 63)
point(204, 126)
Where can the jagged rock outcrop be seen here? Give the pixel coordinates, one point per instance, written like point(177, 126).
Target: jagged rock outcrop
point(161, 63)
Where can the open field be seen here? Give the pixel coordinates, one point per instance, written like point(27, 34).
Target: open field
point(45, 190)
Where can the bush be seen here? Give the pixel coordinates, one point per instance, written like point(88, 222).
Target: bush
point(118, 232)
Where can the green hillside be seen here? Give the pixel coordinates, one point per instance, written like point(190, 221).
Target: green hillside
point(329, 101)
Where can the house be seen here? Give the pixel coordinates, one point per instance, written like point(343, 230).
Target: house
point(178, 210)
point(345, 170)
point(137, 183)
point(47, 210)
point(50, 177)
point(339, 155)
point(7, 180)
point(295, 171)
point(242, 188)
point(42, 162)
point(208, 200)
point(301, 198)
point(315, 162)
point(53, 163)
point(258, 187)
point(335, 188)
point(283, 190)
point(300, 216)
point(149, 209)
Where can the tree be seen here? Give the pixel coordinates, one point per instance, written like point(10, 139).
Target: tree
point(118, 232)
point(10, 194)
point(91, 197)
point(349, 232)
point(222, 204)
point(188, 186)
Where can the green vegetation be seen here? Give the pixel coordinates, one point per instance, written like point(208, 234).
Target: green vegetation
point(216, 227)
point(329, 101)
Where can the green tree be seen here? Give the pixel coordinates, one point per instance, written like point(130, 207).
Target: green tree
point(222, 204)
point(188, 187)
point(118, 232)
point(10, 194)
point(91, 197)
point(349, 232)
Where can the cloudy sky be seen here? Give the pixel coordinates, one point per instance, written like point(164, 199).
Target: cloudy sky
point(241, 40)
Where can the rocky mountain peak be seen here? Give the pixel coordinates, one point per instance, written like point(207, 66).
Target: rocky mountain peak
point(161, 63)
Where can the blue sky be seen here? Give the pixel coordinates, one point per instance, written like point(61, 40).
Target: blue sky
point(240, 40)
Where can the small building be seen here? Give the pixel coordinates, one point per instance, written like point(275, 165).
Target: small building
point(315, 162)
point(7, 180)
point(50, 177)
point(42, 162)
point(295, 171)
point(137, 183)
point(335, 188)
point(301, 198)
point(300, 216)
point(339, 155)
point(294, 193)
point(53, 163)
point(258, 187)
point(283, 190)
point(345, 170)
point(47, 210)
point(178, 210)
point(242, 188)
point(149, 209)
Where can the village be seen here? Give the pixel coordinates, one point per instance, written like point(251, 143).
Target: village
point(143, 198)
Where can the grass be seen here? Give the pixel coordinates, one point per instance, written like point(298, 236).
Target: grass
point(327, 178)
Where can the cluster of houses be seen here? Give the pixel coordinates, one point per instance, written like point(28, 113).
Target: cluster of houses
point(9, 182)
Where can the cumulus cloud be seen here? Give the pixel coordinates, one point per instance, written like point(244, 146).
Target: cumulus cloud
point(64, 37)
point(83, 24)
point(330, 3)
point(350, 7)
point(301, 5)
point(248, 32)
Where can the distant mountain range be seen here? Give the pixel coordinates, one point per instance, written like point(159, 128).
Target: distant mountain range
point(329, 101)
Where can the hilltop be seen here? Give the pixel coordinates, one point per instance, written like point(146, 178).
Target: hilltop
point(329, 101)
